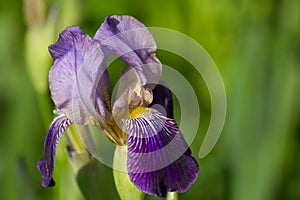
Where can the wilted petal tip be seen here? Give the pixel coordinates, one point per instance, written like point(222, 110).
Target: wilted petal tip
point(112, 24)
point(44, 171)
point(64, 42)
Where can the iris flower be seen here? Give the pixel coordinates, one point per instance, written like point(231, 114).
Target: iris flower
point(159, 159)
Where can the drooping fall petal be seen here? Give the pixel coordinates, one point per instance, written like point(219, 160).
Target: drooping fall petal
point(159, 159)
point(46, 165)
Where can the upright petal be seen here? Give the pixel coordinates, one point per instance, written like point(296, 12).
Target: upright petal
point(159, 159)
point(78, 79)
point(130, 39)
point(128, 93)
point(46, 165)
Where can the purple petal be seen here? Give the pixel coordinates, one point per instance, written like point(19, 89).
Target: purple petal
point(65, 42)
point(162, 96)
point(79, 81)
point(46, 165)
point(130, 39)
point(159, 159)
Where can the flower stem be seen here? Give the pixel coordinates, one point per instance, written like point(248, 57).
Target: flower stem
point(172, 196)
point(78, 155)
point(126, 189)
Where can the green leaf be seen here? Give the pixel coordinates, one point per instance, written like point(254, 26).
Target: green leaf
point(125, 187)
point(95, 181)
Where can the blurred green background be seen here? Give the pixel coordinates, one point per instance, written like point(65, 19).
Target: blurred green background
point(256, 47)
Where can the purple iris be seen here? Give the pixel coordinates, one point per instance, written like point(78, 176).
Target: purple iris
point(159, 159)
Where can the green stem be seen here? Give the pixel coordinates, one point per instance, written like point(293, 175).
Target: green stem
point(172, 196)
point(124, 186)
point(74, 140)
point(78, 155)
